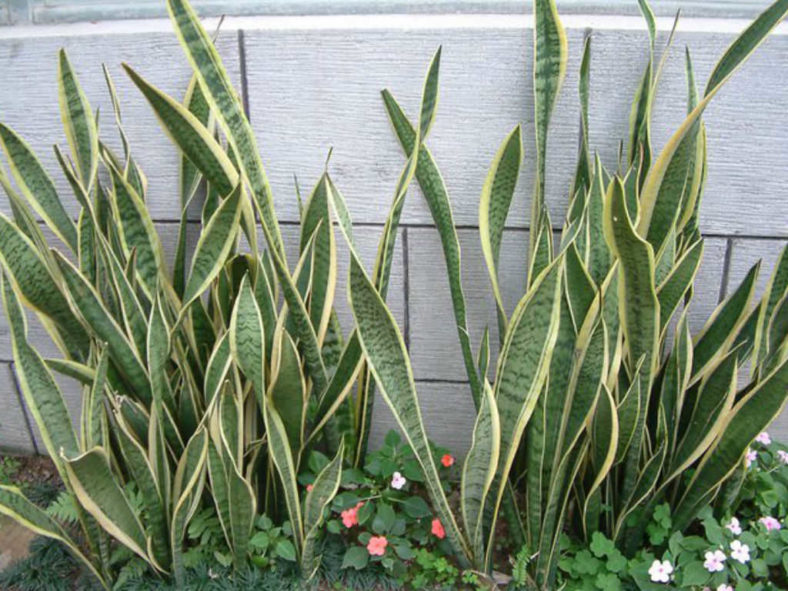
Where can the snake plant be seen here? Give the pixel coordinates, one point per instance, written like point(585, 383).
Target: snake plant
point(207, 384)
point(601, 403)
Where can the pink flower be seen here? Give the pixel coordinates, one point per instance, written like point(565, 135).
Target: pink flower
point(783, 455)
point(660, 572)
point(437, 529)
point(740, 552)
point(724, 587)
point(397, 481)
point(734, 526)
point(763, 438)
point(309, 487)
point(350, 516)
point(770, 523)
point(750, 457)
point(377, 545)
point(714, 562)
point(447, 460)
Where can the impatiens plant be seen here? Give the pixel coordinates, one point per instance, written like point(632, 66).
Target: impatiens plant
point(718, 556)
point(763, 489)
point(380, 512)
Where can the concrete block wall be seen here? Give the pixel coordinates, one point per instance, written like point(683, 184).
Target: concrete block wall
point(313, 82)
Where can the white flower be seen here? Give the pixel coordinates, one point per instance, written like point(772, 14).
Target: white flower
point(770, 523)
point(714, 561)
point(763, 438)
point(740, 552)
point(783, 455)
point(660, 571)
point(734, 526)
point(397, 481)
point(724, 587)
point(751, 457)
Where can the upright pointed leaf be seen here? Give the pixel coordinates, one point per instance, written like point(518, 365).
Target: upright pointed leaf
point(191, 136)
point(187, 489)
point(385, 351)
point(37, 186)
point(88, 302)
point(227, 106)
point(496, 197)
point(749, 417)
point(214, 246)
point(31, 276)
point(550, 57)
point(638, 309)
point(247, 337)
point(78, 119)
point(285, 466)
point(324, 489)
point(736, 54)
point(42, 395)
point(523, 366)
point(436, 195)
point(478, 472)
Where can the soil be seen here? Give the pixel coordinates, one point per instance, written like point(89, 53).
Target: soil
point(35, 470)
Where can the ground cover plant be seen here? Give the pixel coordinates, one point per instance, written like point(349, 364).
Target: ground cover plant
point(226, 414)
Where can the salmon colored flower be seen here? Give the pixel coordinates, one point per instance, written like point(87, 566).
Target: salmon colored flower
point(309, 487)
point(437, 529)
point(350, 516)
point(447, 460)
point(377, 545)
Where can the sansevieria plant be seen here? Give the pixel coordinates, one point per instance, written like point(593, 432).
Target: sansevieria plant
point(601, 403)
point(205, 386)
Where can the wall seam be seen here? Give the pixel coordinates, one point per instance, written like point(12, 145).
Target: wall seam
point(24, 409)
point(726, 269)
point(474, 227)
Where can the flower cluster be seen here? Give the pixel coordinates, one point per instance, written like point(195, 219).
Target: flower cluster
point(350, 516)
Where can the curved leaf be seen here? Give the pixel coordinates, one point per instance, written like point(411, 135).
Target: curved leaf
point(496, 197)
point(478, 472)
point(16, 506)
point(213, 247)
point(98, 492)
point(37, 186)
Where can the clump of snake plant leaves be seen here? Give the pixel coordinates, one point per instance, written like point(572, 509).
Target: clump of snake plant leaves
point(205, 385)
point(601, 404)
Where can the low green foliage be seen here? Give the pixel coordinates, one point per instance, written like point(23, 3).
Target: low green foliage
point(49, 567)
point(763, 490)
point(9, 466)
point(714, 553)
point(383, 520)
